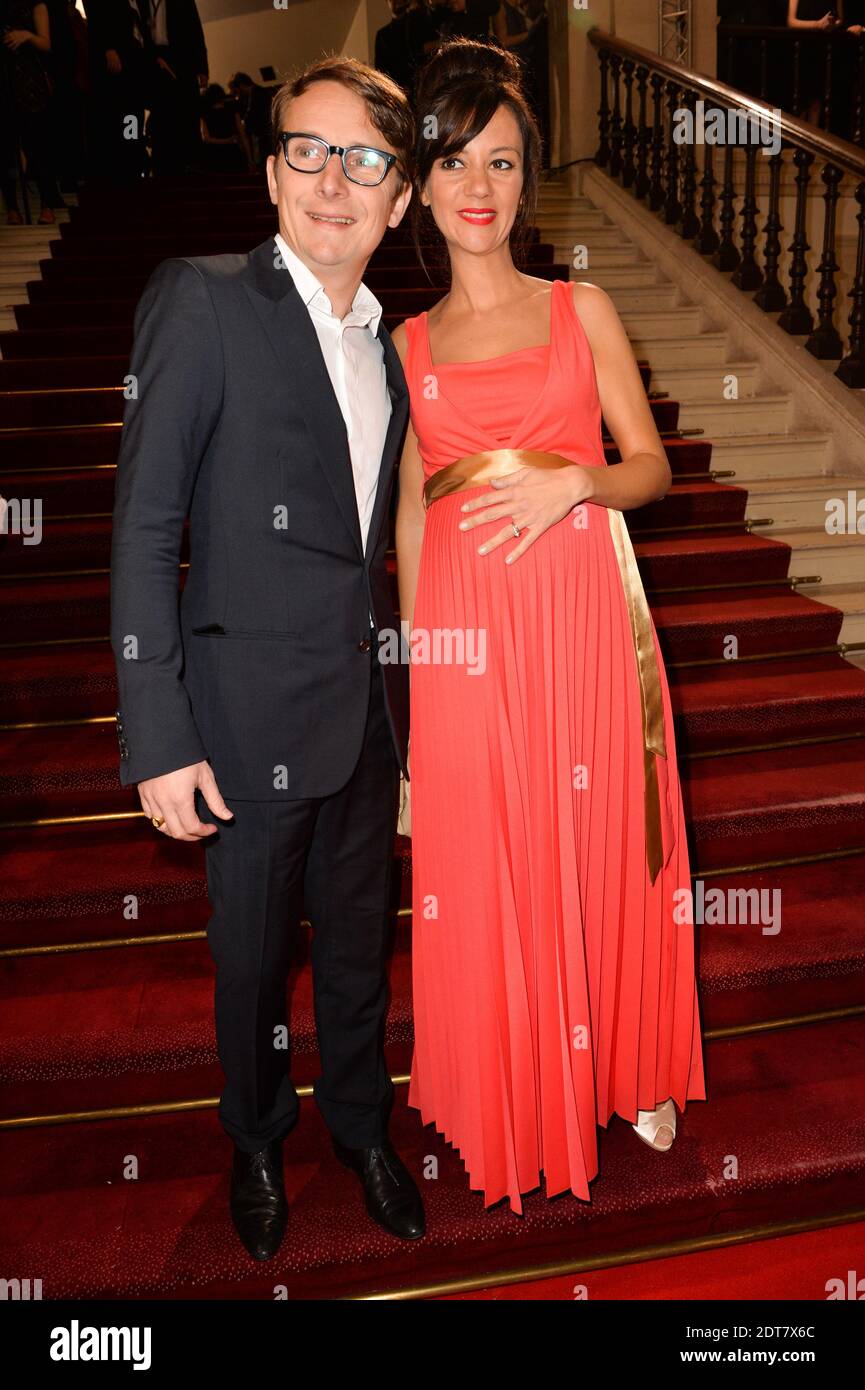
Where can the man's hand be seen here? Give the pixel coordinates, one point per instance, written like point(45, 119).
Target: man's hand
point(172, 796)
point(112, 62)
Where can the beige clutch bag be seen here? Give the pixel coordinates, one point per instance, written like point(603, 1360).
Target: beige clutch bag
point(403, 824)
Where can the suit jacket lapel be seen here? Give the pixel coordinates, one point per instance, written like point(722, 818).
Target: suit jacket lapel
point(398, 391)
point(292, 336)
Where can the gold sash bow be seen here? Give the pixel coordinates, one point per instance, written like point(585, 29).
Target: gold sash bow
point(476, 469)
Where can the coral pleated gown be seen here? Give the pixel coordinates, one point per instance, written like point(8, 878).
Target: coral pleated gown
point(552, 985)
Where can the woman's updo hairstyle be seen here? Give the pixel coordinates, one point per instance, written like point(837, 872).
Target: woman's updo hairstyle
point(461, 87)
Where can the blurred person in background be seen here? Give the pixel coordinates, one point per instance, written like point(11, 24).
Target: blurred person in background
point(120, 58)
point(535, 53)
point(226, 148)
point(253, 104)
point(67, 29)
point(510, 27)
point(391, 45)
point(433, 22)
point(811, 14)
point(178, 77)
point(25, 106)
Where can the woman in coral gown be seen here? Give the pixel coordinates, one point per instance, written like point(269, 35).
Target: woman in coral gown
point(553, 985)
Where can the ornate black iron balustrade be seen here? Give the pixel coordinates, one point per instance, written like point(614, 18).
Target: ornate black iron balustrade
point(640, 148)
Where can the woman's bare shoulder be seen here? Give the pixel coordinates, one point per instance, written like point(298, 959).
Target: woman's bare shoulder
point(591, 302)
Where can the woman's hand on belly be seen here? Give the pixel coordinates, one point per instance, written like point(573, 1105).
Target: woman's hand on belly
point(533, 499)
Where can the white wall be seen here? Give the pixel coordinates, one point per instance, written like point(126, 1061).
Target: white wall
point(575, 61)
point(286, 39)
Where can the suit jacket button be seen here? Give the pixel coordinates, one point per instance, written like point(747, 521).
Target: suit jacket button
point(364, 645)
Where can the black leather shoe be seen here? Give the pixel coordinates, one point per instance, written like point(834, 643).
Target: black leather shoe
point(392, 1197)
point(259, 1208)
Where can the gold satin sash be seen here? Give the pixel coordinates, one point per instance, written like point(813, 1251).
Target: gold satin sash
point(476, 469)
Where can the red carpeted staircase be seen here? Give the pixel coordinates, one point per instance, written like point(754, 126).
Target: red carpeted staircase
point(114, 1167)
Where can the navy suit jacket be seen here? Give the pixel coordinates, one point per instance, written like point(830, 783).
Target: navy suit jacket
point(264, 664)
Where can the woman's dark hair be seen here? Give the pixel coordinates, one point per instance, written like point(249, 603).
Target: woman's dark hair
point(458, 91)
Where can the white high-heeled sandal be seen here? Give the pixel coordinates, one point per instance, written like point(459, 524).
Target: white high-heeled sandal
point(658, 1123)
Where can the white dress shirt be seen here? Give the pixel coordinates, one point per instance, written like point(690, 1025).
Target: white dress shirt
point(354, 358)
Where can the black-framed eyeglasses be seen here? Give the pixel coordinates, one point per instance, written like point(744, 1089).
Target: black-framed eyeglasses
point(360, 163)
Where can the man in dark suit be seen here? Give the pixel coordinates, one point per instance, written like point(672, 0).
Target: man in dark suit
point(179, 73)
point(120, 80)
point(391, 45)
point(270, 407)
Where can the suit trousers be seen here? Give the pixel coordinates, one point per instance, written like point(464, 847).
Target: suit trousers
point(332, 856)
point(175, 110)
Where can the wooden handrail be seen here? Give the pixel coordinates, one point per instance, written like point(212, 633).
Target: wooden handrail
point(842, 153)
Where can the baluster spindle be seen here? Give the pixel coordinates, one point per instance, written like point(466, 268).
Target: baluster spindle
point(641, 183)
point(727, 255)
point(851, 369)
point(690, 224)
point(629, 171)
point(656, 187)
point(672, 206)
point(748, 274)
point(771, 295)
point(797, 317)
point(707, 237)
point(616, 119)
point(825, 341)
point(602, 157)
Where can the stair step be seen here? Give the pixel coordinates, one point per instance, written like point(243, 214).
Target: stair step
point(800, 502)
point(779, 943)
point(838, 559)
point(796, 946)
point(55, 891)
point(120, 1239)
point(805, 452)
point(765, 702)
point(649, 325)
point(700, 627)
point(659, 296)
point(142, 1019)
point(721, 418)
point(60, 771)
point(611, 278)
point(754, 806)
point(668, 351)
point(707, 383)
